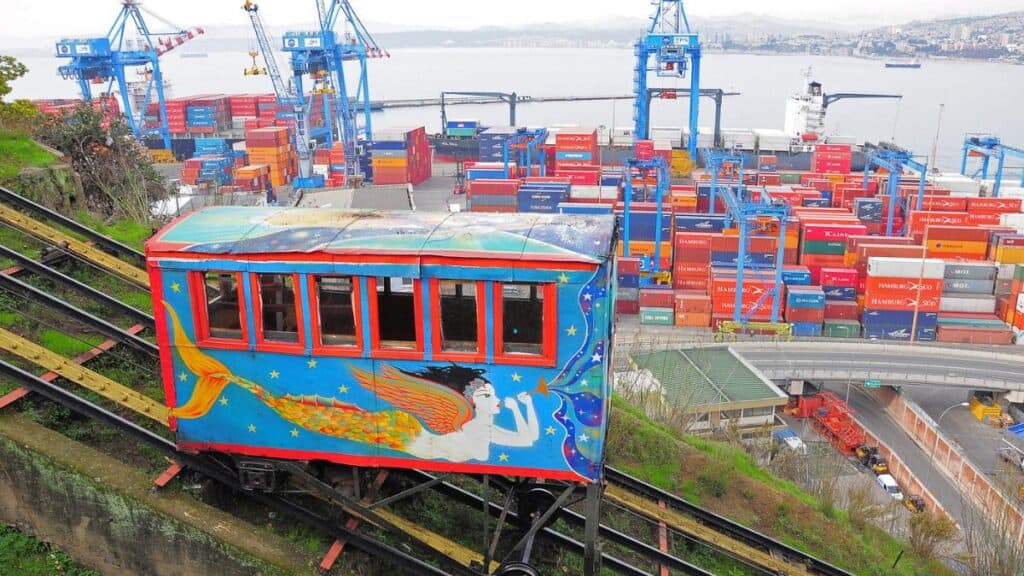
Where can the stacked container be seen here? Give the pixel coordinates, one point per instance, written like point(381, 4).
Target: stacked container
point(805, 309)
point(643, 230)
point(832, 158)
point(462, 128)
point(824, 245)
point(691, 257)
point(969, 306)
point(542, 197)
point(576, 156)
point(492, 143)
point(270, 146)
point(898, 289)
point(957, 242)
point(628, 297)
point(693, 309)
point(657, 306)
point(723, 295)
point(492, 195)
point(400, 156)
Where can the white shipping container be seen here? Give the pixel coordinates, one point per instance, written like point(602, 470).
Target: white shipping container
point(1020, 304)
point(1015, 221)
point(321, 169)
point(1006, 271)
point(906, 267)
point(578, 192)
point(673, 135)
point(738, 138)
point(970, 304)
point(958, 184)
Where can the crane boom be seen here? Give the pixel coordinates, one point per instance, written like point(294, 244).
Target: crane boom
point(293, 101)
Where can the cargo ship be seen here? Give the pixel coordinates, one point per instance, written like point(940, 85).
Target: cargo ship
point(789, 148)
point(898, 64)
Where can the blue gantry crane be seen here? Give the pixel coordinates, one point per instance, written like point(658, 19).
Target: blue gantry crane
point(321, 54)
point(749, 215)
point(894, 159)
point(643, 169)
point(675, 50)
point(523, 148)
point(988, 147)
point(128, 43)
point(293, 102)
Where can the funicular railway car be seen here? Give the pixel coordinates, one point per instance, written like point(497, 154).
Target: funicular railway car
point(467, 342)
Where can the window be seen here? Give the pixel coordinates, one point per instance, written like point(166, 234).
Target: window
point(336, 307)
point(522, 318)
point(396, 313)
point(762, 411)
point(460, 329)
point(278, 313)
point(223, 309)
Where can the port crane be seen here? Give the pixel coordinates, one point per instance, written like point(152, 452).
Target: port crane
point(510, 98)
point(894, 159)
point(764, 215)
point(128, 43)
point(715, 94)
point(292, 101)
point(989, 147)
point(676, 50)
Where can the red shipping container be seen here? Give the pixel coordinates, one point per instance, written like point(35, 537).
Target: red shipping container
point(934, 203)
point(840, 310)
point(693, 240)
point(831, 232)
point(692, 269)
point(628, 265)
point(809, 315)
point(690, 283)
point(983, 218)
point(627, 307)
point(997, 205)
point(688, 301)
point(644, 149)
point(833, 148)
point(919, 220)
point(845, 277)
point(961, 233)
point(650, 298)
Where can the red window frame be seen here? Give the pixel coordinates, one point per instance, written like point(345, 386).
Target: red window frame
point(481, 323)
point(197, 289)
point(395, 353)
point(547, 357)
point(319, 348)
point(263, 345)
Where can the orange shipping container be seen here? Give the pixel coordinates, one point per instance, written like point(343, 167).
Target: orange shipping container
point(693, 319)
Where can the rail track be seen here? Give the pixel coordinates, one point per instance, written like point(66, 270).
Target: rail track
point(690, 522)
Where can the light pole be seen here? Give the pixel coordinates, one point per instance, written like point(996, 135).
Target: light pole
point(938, 424)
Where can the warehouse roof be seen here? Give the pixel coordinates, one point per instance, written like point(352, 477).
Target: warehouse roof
point(706, 376)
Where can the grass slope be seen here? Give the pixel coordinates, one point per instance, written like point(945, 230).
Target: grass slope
point(18, 151)
point(25, 556)
point(728, 482)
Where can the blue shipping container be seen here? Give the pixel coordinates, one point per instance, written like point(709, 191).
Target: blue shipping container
point(629, 280)
point(753, 260)
point(805, 298)
point(840, 292)
point(584, 208)
point(699, 222)
point(796, 277)
point(806, 329)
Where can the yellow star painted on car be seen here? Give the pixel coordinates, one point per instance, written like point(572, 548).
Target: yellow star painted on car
point(516, 377)
point(503, 457)
point(550, 430)
point(252, 427)
point(311, 363)
point(183, 376)
point(223, 401)
point(563, 278)
point(176, 287)
point(571, 330)
point(274, 374)
point(295, 433)
point(343, 389)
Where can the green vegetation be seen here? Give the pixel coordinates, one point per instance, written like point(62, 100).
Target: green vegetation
point(25, 556)
point(19, 151)
point(128, 232)
point(727, 481)
point(66, 344)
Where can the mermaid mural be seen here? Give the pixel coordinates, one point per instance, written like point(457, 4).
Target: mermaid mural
point(442, 412)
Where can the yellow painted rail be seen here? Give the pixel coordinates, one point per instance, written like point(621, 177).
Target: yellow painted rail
point(702, 533)
point(82, 376)
point(57, 238)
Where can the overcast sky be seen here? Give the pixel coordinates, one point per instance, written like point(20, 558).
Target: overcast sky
point(33, 18)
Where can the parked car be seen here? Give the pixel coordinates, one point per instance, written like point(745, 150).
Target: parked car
point(888, 483)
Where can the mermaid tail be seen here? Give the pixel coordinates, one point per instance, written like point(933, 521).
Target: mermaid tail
point(390, 428)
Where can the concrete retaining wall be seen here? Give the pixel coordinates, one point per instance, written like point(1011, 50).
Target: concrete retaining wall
point(104, 514)
point(972, 483)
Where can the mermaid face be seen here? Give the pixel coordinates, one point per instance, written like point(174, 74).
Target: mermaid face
point(485, 399)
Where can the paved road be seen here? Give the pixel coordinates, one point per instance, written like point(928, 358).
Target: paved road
point(873, 416)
